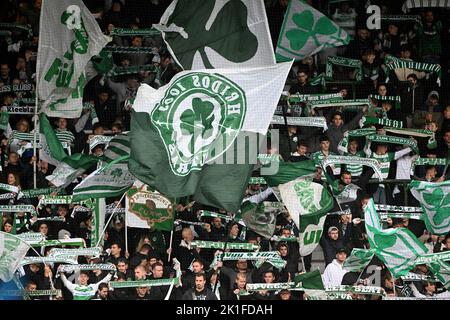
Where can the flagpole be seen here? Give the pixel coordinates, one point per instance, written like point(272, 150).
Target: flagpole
point(36, 102)
point(109, 220)
point(170, 245)
point(222, 255)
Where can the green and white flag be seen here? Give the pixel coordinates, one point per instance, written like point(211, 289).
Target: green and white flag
point(358, 260)
point(12, 252)
point(306, 31)
point(69, 36)
point(53, 152)
point(289, 171)
point(310, 280)
point(148, 209)
point(110, 181)
point(191, 124)
point(398, 248)
point(260, 218)
point(308, 203)
point(217, 34)
point(441, 271)
point(434, 198)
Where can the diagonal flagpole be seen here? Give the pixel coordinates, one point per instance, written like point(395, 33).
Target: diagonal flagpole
point(109, 220)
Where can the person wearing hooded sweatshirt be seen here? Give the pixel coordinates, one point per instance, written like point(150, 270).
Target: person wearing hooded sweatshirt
point(331, 243)
point(431, 111)
point(334, 272)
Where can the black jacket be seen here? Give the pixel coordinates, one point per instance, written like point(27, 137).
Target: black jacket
point(193, 294)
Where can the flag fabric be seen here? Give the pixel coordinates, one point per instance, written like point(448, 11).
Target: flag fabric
point(113, 177)
point(98, 221)
point(310, 280)
point(398, 248)
point(147, 209)
point(288, 171)
point(67, 167)
point(358, 260)
point(441, 271)
point(217, 34)
point(308, 203)
point(69, 36)
point(260, 218)
point(12, 252)
point(180, 131)
point(434, 198)
point(306, 31)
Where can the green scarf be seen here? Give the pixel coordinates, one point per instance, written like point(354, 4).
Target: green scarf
point(385, 122)
point(393, 63)
point(345, 62)
point(221, 245)
point(395, 99)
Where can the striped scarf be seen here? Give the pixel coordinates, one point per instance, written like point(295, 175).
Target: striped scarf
point(393, 63)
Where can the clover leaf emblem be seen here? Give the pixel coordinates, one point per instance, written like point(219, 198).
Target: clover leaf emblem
point(437, 199)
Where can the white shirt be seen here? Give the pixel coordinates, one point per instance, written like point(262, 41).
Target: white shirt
point(333, 274)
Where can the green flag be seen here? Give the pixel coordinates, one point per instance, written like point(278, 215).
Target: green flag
point(52, 152)
point(434, 197)
point(181, 132)
point(358, 260)
point(306, 31)
point(398, 248)
point(260, 218)
point(288, 171)
point(310, 280)
point(308, 203)
point(441, 271)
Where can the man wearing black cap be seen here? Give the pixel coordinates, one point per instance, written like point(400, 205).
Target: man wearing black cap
point(334, 272)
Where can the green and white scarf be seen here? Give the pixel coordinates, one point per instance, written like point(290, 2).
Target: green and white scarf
point(210, 214)
point(7, 196)
point(193, 223)
point(33, 193)
point(287, 239)
point(393, 140)
point(221, 245)
point(74, 242)
point(33, 293)
point(144, 283)
point(268, 286)
point(7, 187)
point(427, 161)
point(377, 291)
point(301, 121)
point(84, 267)
point(47, 199)
point(385, 122)
point(346, 104)
point(125, 32)
point(433, 257)
point(38, 260)
point(257, 180)
point(344, 62)
point(297, 98)
point(334, 160)
point(91, 252)
point(418, 277)
point(432, 144)
point(393, 63)
point(120, 71)
point(29, 237)
point(388, 211)
point(395, 99)
point(18, 208)
point(96, 140)
point(272, 257)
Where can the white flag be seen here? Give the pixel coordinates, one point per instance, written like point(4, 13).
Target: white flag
point(217, 34)
point(69, 36)
point(12, 252)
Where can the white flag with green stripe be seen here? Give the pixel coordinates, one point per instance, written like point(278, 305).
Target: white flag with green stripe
point(306, 31)
point(112, 178)
point(358, 260)
point(308, 203)
point(12, 252)
point(398, 248)
point(434, 197)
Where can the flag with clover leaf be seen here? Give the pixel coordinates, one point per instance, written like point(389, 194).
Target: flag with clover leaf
point(398, 248)
point(308, 204)
point(434, 197)
point(358, 260)
point(441, 271)
point(306, 31)
point(217, 34)
point(182, 133)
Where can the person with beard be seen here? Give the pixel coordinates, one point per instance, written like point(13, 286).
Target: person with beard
point(201, 291)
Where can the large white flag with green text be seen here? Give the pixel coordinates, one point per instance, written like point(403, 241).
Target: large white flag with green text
point(12, 252)
point(68, 37)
